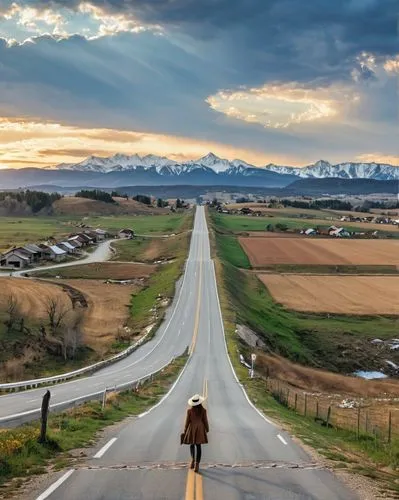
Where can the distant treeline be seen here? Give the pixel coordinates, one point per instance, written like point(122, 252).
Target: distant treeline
point(332, 204)
point(95, 194)
point(35, 200)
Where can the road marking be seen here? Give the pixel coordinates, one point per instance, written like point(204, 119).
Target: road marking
point(55, 485)
point(190, 485)
point(282, 439)
point(101, 452)
point(197, 313)
point(199, 495)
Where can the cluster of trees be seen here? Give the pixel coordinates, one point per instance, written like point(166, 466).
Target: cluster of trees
point(35, 200)
point(143, 198)
point(60, 334)
point(367, 205)
point(330, 203)
point(95, 194)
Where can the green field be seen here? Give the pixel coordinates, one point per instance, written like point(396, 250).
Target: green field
point(242, 223)
point(15, 231)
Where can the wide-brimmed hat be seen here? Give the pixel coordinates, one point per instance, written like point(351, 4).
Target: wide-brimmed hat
point(196, 400)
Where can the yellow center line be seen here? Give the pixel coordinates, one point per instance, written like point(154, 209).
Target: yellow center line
point(190, 485)
point(199, 495)
point(197, 313)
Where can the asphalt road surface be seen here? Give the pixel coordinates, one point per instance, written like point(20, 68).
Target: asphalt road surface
point(144, 459)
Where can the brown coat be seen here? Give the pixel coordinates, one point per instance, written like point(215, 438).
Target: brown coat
point(196, 426)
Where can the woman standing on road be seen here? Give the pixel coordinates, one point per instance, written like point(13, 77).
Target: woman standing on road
point(195, 429)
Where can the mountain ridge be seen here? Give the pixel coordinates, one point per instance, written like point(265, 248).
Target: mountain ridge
point(210, 162)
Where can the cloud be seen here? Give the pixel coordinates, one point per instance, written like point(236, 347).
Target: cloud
point(280, 106)
point(378, 158)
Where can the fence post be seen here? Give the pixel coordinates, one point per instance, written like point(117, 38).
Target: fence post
point(328, 416)
point(104, 399)
point(389, 427)
point(296, 400)
point(44, 416)
point(358, 422)
point(306, 404)
point(367, 422)
point(317, 409)
point(288, 398)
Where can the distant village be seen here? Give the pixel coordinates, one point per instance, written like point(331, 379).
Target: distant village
point(33, 254)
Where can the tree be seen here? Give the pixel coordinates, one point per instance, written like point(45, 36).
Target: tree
point(56, 313)
point(179, 203)
point(13, 312)
point(162, 203)
point(71, 334)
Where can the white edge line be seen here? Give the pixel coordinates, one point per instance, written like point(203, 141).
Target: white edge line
point(55, 485)
point(168, 393)
point(101, 452)
point(282, 439)
point(228, 356)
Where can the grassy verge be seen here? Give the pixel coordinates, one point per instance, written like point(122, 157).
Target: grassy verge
point(329, 269)
point(21, 455)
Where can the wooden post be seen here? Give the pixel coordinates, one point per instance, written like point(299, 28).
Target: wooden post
point(44, 416)
point(358, 423)
point(104, 399)
point(306, 404)
point(288, 398)
point(317, 409)
point(390, 427)
point(367, 422)
point(328, 416)
point(296, 401)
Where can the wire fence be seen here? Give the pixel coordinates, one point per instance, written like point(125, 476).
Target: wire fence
point(378, 417)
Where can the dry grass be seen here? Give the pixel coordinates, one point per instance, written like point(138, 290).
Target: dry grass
point(102, 270)
point(71, 205)
point(335, 294)
point(32, 296)
point(108, 311)
point(267, 251)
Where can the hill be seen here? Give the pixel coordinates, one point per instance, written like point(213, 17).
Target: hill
point(315, 186)
point(71, 205)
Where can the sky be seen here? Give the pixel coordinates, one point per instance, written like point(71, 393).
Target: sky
point(267, 81)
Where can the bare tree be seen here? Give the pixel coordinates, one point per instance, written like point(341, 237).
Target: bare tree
point(56, 313)
point(71, 336)
point(13, 311)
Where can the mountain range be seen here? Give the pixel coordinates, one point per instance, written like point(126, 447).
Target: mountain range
point(166, 167)
point(122, 170)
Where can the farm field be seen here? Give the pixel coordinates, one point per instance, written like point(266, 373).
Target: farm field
point(335, 294)
point(32, 296)
point(267, 251)
point(101, 270)
point(107, 312)
point(240, 223)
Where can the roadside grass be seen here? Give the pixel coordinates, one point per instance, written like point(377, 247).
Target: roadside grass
point(151, 249)
point(22, 456)
point(231, 251)
point(329, 269)
point(240, 223)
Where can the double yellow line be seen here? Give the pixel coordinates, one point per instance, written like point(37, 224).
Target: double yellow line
point(194, 489)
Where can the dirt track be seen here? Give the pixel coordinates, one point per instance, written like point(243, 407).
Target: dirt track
point(268, 251)
point(335, 294)
point(32, 296)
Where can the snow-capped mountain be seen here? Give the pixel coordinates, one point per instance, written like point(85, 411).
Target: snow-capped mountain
point(323, 169)
point(213, 164)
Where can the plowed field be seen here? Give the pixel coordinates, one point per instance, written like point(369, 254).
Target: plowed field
point(335, 294)
point(269, 251)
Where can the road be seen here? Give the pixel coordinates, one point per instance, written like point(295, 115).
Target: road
point(143, 460)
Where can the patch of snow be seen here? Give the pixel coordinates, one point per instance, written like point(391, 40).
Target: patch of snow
point(369, 375)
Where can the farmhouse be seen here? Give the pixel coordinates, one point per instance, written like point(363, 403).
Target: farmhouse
point(65, 245)
point(16, 258)
point(56, 253)
point(101, 234)
point(37, 251)
point(77, 241)
point(126, 233)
